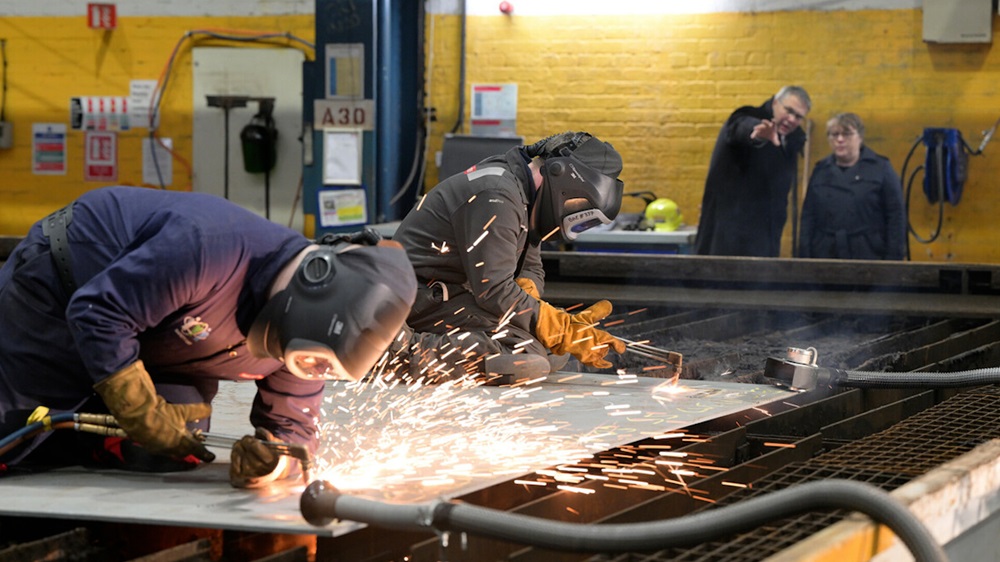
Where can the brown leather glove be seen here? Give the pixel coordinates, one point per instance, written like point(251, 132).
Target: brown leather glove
point(561, 332)
point(529, 287)
point(148, 419)
point(254, 464)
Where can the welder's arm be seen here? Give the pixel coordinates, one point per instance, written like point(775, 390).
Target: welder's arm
point(253, 464)
point(147, 418)
point(561, 332)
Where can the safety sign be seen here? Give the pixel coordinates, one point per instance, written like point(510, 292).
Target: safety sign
point(100, 162)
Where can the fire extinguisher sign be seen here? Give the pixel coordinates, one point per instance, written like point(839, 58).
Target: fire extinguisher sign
point(101, 160)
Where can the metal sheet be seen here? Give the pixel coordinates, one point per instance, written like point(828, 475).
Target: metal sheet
point(588, 404)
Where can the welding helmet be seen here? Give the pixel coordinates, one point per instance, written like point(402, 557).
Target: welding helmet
point(580, 186)
point(339, 313)
point(663, 215)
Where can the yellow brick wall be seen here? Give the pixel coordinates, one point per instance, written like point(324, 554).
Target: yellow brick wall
point(51, 59)
point(659, 86)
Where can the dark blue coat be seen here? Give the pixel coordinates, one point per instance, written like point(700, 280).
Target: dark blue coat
point(854, 213)
point(744, 208)
point(172, 278)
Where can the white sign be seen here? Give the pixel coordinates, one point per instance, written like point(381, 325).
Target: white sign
point(342, 207)
point(99, 113)
point(140, 102)
point(157, 162)
point(48, 148)
point(342, 152)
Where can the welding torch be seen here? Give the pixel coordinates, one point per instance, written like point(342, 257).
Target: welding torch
point(642, 349)
point(294, 450)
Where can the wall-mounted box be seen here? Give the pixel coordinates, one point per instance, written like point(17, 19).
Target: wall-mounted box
point(958, 21)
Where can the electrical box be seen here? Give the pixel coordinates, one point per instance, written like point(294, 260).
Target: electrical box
point(958, 21)
point(6, 134)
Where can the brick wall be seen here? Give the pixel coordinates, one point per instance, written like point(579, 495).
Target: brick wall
point(659, 86)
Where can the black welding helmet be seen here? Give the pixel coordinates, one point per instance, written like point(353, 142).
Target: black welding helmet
point(580, 186)
point(342, 308)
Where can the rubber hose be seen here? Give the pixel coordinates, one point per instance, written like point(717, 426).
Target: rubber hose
point(10, 441)
point(878, 379)
point(321, 504)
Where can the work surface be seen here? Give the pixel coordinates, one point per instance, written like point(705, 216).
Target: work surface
point(596, 412)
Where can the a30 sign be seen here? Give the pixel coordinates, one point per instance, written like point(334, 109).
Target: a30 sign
point(357, 114)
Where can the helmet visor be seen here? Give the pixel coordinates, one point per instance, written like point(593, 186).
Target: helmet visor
point(314, 361)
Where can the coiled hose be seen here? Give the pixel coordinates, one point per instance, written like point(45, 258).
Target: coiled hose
point(321, 503)
point(878, 379)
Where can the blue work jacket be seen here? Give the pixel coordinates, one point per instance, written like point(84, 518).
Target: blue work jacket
point(172, 278)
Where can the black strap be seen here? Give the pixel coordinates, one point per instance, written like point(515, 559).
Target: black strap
point(54, 227)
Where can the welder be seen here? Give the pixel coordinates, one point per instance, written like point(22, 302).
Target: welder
point(475, 243)
point(137, 302)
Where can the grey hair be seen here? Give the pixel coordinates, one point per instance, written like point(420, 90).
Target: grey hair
point(797, 91)
point(847, 121)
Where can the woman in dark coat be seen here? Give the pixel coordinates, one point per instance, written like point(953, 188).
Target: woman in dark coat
point(854, 206)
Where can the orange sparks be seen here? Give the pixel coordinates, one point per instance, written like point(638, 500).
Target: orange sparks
point(781, 445)
point(635, 311)
point(549, 235)
point(613, 323)
point(421, 203)
point(736, 484)
point(478, 240)
point(575, 490)
point(489, 222)
point(530, 483)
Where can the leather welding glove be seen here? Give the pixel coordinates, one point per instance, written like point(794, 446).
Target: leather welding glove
point(147, 418)
point(254, 464)
point(561, 332)
point(529, 287)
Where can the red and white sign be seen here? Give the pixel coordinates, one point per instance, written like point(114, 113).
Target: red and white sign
point(101, 16)
point(101, 160)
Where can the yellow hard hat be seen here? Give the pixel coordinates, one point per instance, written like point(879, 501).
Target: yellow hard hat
point(664, 215)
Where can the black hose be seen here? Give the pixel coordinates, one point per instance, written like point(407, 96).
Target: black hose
point(321, 503)
point(879, 379)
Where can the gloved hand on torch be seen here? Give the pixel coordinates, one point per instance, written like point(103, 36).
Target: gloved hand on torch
point(561, 332)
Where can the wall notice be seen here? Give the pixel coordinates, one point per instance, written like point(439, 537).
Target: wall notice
point(48, 148)
point(100, 162)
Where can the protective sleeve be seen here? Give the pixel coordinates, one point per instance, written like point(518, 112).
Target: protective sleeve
point(895, 214)
point(532, 267)
point(738, 129)
point(153, 277)
point(487, 230)
point(288, 407)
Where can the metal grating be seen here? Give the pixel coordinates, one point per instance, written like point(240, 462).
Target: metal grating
point(889, 459)
point(918, 444)
point(776, 535)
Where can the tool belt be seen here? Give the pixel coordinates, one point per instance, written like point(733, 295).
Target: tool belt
point(54, 228)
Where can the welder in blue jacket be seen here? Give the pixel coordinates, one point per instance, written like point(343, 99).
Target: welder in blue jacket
point(138, 302)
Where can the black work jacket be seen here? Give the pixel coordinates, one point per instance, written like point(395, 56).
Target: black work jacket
point(744, 208)
point(854, 213)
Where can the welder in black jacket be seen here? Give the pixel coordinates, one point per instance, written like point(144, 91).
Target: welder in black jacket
point(474, 243)
point(753, 167)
